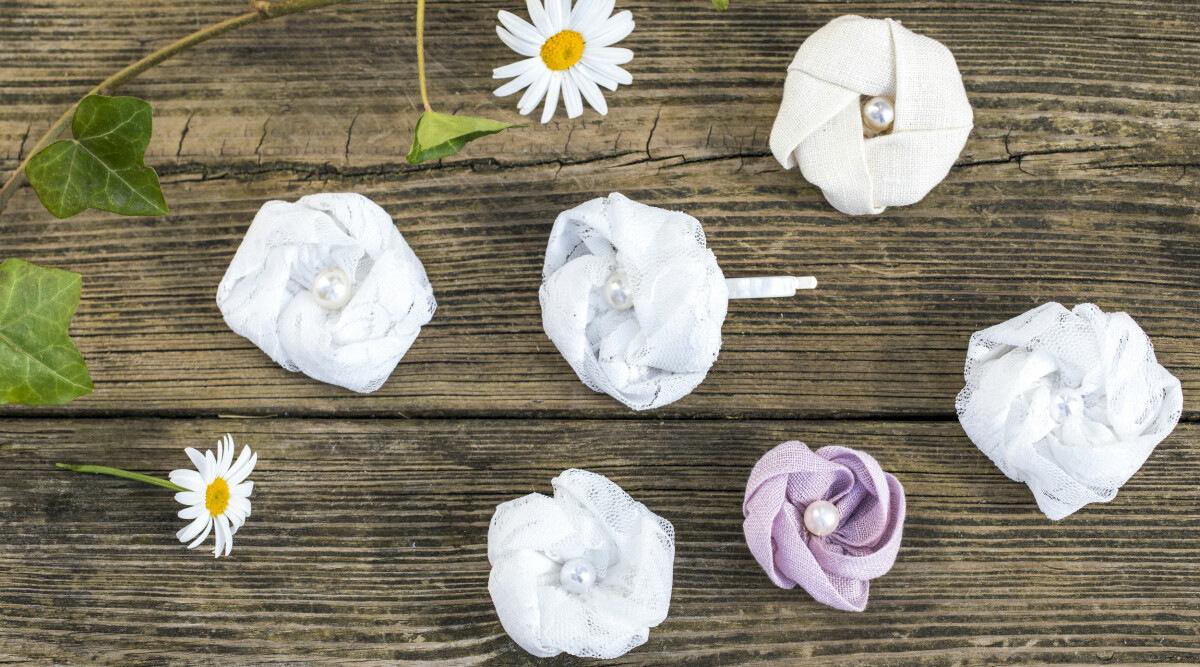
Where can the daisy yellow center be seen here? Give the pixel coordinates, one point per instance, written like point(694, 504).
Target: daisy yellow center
point(562, 50)
point(216, 497)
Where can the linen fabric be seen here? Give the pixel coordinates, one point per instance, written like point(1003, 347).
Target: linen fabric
point(658, 351)
point(265, 294)
point(820, 128)
point(836, 569)
point(1018, 370)
point(589, 517)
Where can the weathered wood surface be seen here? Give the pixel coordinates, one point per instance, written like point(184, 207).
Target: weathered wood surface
point(368, 545)
point(1081, 182)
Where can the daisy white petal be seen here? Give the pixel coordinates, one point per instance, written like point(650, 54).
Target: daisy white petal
point(242, 490)
point(190, 498)
point(520, 46)
point(519, 83)
point(591, 71)
point(590, 13)
point(242, 469)
point(192, 511)
point(551, 99)
point(519, 68)
point(533, 96)
point(612, 55)
point(193, 529)
point(540, 20)
point(571, 99)
point(188, 479)
point(612, 72)
point(221, 524)
point(612, 31)
point(521, 29)
point(197, 460)
point(591, 92)
point(208, 526)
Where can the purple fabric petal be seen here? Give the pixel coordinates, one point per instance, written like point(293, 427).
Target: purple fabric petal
point(835, 569)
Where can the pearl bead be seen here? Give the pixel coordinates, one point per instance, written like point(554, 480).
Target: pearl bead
point(616, 291)
point(821, 517)
point(1066, 403)
point(331, 289)
point(878, 114)
point(577, 576)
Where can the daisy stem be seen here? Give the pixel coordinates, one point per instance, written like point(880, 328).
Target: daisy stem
point(105, 470)
point(421, 53)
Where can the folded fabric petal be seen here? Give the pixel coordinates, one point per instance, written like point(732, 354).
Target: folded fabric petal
point(657, 348)
point(328, 286)
point(864, 521)
point(863, 170)
point(587, 572)
point(1070, 402)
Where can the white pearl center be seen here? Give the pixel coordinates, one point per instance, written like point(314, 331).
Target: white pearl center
point(616, 291)
point(878, 114)
point(331, 289)
point(1066, 403)
point(577, 576)
point(821, 517)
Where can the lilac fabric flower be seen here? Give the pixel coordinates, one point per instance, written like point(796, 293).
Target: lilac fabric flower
point(863, 532)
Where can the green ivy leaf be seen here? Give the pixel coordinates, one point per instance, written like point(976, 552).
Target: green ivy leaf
point(102, 166)
point(39, 365)
point(721, 5)
point(440, 135)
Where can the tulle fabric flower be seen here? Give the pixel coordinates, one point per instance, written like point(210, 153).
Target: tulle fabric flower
point(633, 299)
point(1069, 402)
point(874, 114)
point(587, 572)
point(328, 286)
point(569, 51)
point(829, 520)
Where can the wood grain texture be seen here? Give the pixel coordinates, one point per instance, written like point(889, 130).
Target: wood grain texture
point(1080, 182)
point(367, 545)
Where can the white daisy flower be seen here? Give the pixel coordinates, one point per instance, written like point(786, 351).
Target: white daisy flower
point(217, 494)
point(569, 51)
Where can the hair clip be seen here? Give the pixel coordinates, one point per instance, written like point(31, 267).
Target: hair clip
point(874, 114)
point(327, 286)
point(587, 572)
point(1070, 402)
point(634, 300)
point(829, 520)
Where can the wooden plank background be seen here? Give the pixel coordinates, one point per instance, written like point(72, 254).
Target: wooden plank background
point(1080, 182)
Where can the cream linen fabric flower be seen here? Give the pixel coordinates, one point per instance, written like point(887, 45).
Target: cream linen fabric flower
point(1069, 402)
point(587, 572)
point(820, 125)
point(658, 348)
point(371, 299)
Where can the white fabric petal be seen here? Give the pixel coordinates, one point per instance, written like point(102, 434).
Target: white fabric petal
point(519, 45)
point(1070, 402)
point(521, 29)
point(631, 548)
point(820, 129)
point(265, 295)
point(551, 98)
point(658, 351)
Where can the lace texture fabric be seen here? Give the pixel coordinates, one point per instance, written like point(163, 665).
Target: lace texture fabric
point(630, 550)
point(1069, 402)
point(659, 350)
point(266, 294)
point(835, 569)
point(820, 126)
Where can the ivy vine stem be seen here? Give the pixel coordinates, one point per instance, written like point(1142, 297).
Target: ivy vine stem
point(117, 472)
point(263, 11)
point(421, 53)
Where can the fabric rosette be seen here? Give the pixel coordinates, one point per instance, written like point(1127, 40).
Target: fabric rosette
point(587, 572)
point(1070, 402)
point(830, 521)
point(328, 286)
point(873, 113)
point(633, 299)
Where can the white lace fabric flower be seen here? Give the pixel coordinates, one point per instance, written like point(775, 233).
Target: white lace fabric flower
point(1070, 402)
point(569, 51)
point(661, 348)
point(587, 572)
point(267, 294)
point(820, 126)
